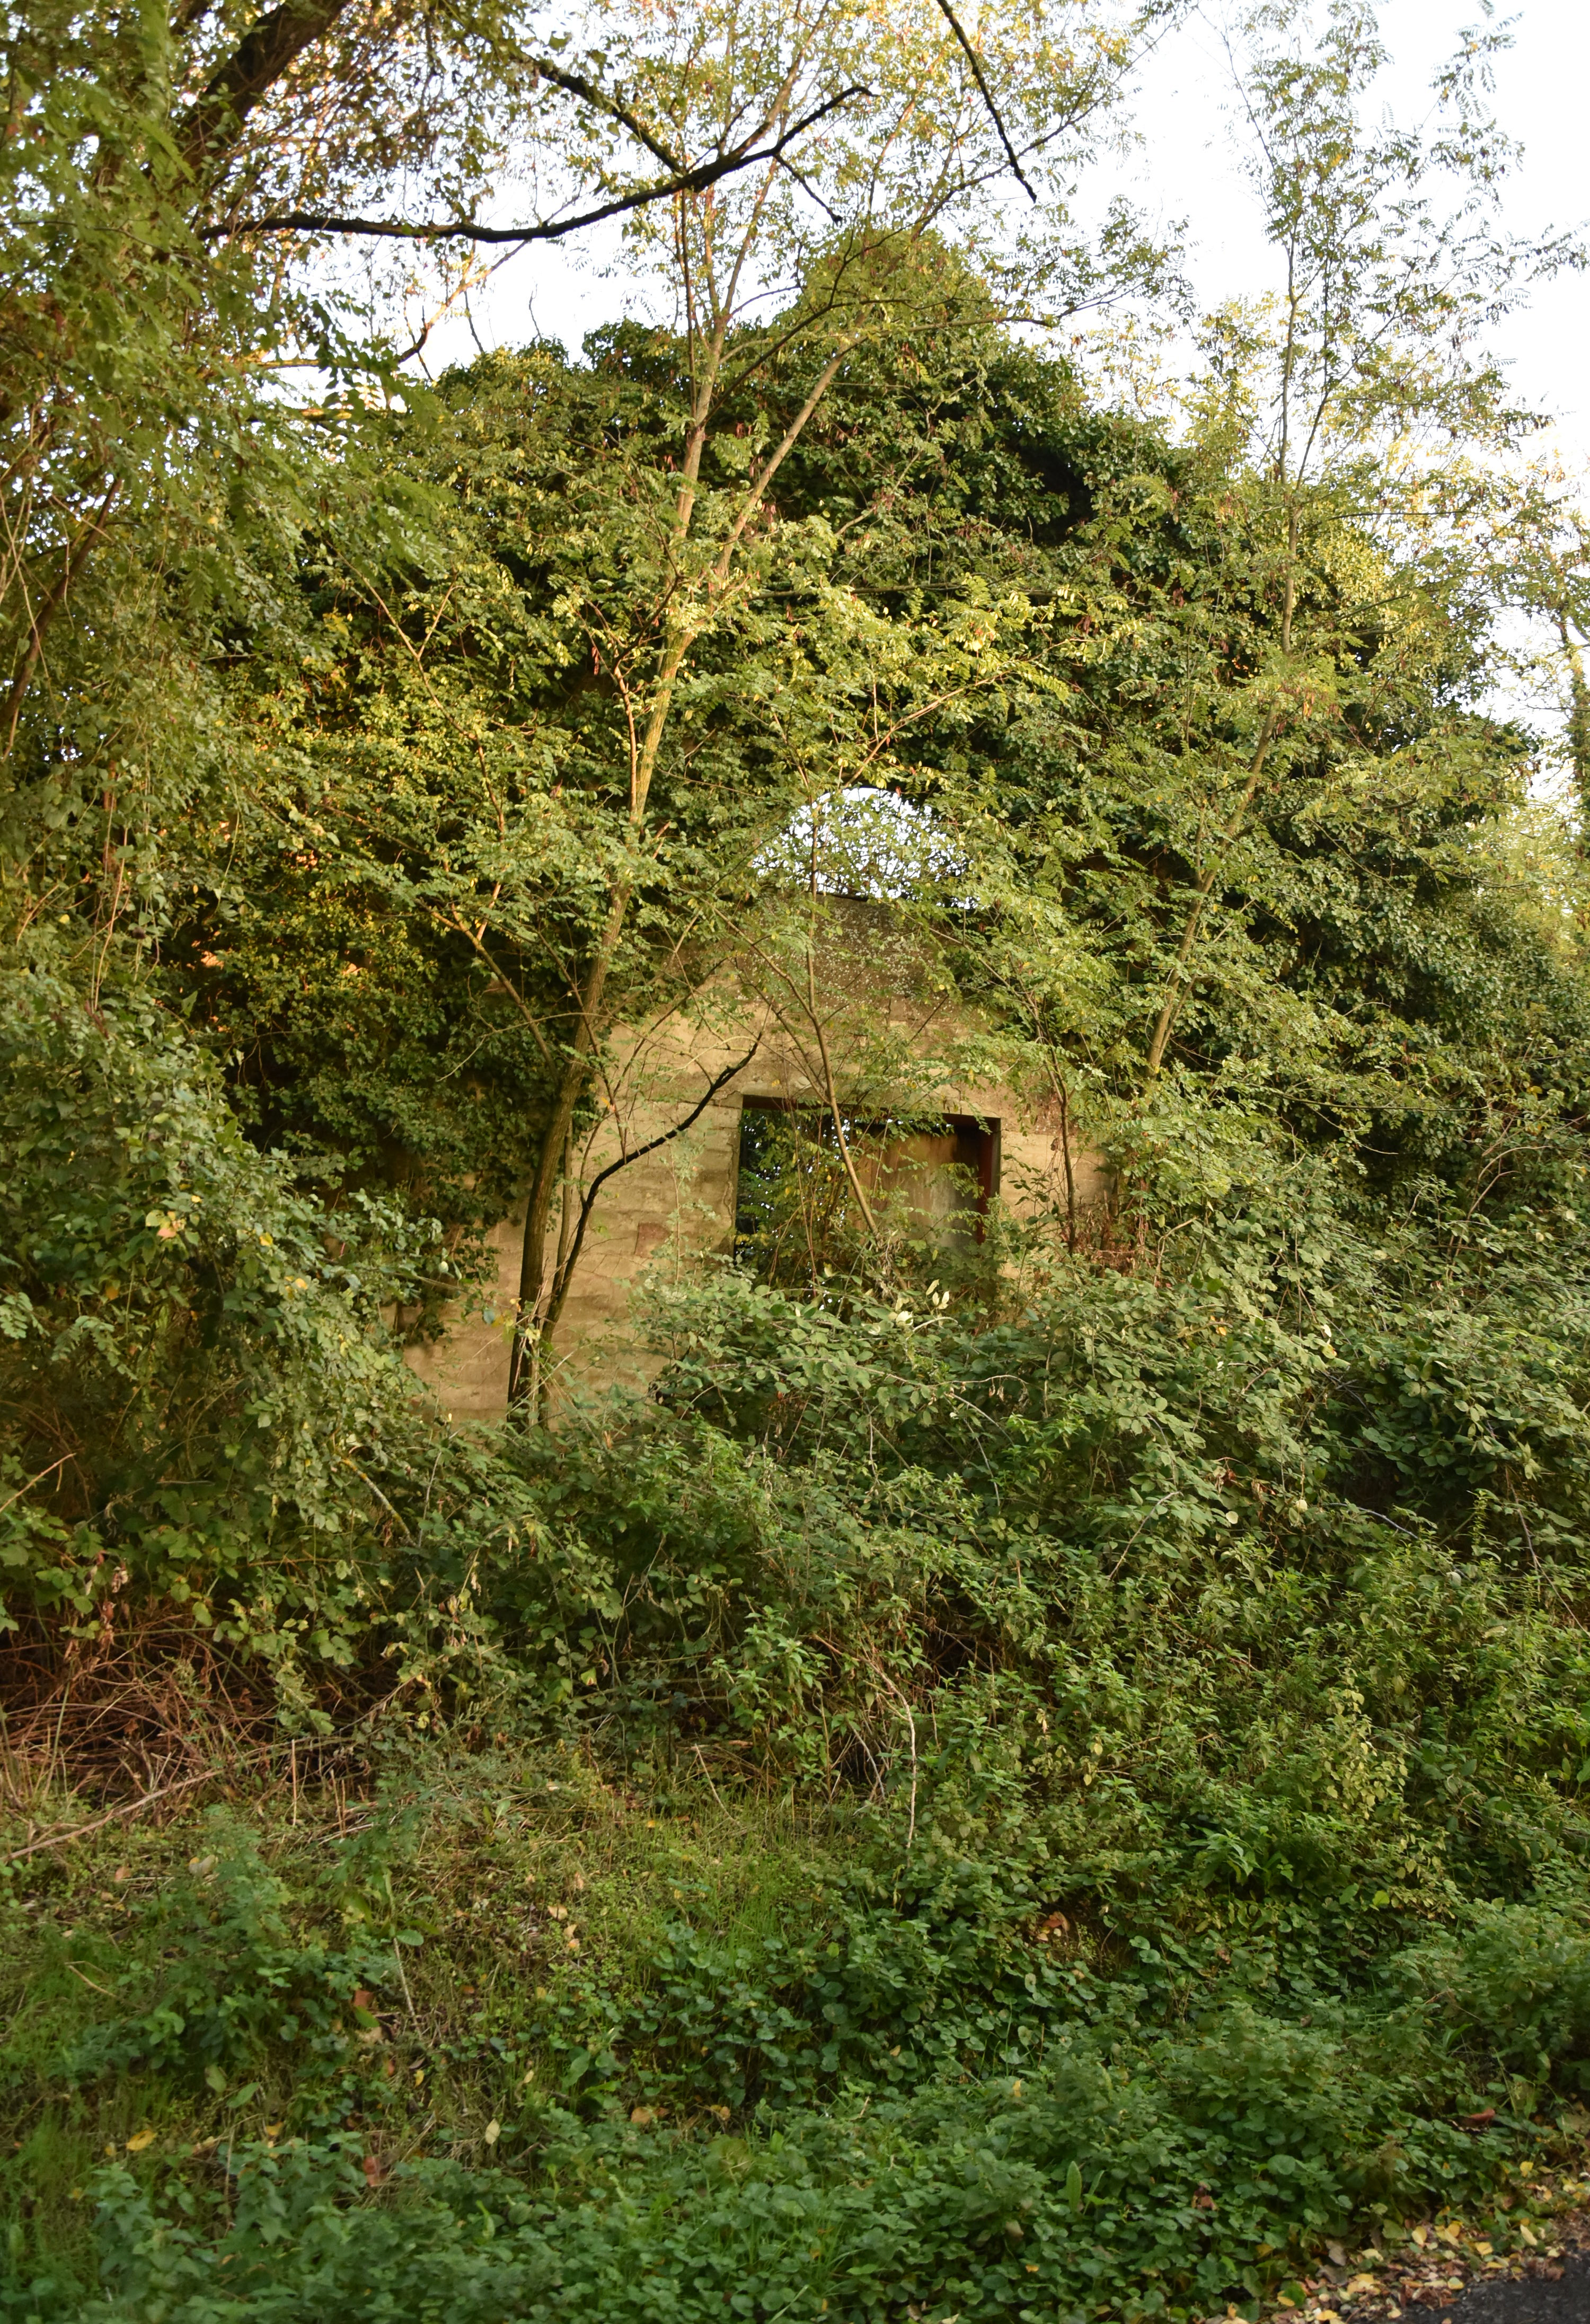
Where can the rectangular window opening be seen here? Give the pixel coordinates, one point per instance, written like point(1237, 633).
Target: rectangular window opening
point(794, 1201)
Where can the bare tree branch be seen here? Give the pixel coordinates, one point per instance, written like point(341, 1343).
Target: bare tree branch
point(565, 1272)
point(953, 21)
point(617, 110)
point(689, 181)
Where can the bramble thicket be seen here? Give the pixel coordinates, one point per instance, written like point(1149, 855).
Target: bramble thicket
point(1037, 1778)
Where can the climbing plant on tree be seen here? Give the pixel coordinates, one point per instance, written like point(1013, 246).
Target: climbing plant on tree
point(641, 557)
point(848, 237)
point(171, 510)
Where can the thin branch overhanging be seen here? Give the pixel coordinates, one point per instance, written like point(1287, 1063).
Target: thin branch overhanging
point(689, 181)
point(564, 1273)
point(986, 95)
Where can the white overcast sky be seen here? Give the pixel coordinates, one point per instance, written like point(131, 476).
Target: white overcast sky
point(1188, 165)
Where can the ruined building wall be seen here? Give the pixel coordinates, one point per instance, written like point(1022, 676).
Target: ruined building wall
point(667, 1212)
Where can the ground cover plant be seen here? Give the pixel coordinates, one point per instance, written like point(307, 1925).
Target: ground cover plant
point(912, 1882)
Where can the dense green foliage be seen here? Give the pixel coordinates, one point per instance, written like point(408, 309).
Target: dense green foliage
point(1205, 1660)
point(1034, 1776)
point(1175, 1638)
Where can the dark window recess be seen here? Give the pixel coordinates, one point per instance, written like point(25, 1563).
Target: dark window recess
point(944, 1169)
point(976, 1150)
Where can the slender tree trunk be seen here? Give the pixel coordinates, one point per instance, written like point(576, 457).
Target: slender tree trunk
point(1178, 985)
point(534, 1284)
point(833, 1104)
point(536, 1288)
point(1065, 1155)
